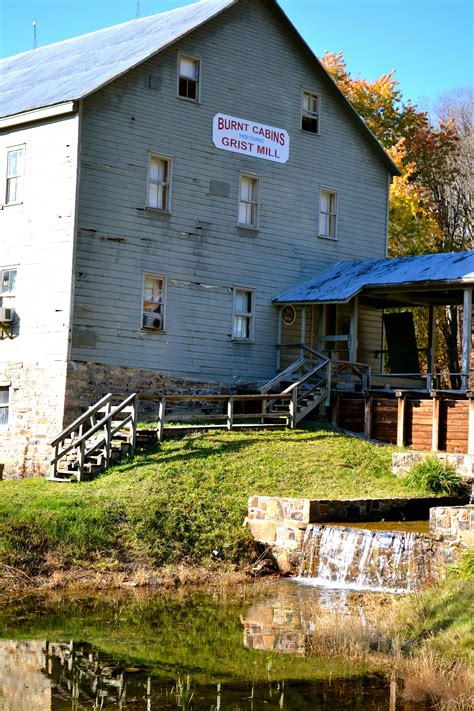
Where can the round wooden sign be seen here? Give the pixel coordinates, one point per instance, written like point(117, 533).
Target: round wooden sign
point(288, 315)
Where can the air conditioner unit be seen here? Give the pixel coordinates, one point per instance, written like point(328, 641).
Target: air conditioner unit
point(152, 321)
point(7, 314)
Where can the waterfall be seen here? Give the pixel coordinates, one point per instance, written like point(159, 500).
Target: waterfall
point(359, 559)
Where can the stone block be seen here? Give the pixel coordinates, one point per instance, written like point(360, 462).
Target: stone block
point(263, 531)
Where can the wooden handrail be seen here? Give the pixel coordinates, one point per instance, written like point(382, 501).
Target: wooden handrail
point(284, 374)
point(80, 420)
point(306, 377)
point(104, 423)
point(213, 398)
point(87, 435)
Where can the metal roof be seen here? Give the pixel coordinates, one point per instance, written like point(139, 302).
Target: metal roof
point(344, 280)
point(71, 70)
point(76, 67)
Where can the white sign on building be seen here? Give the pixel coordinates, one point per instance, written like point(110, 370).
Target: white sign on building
point(251, 139)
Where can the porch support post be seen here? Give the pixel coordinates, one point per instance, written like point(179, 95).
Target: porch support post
point(321, 326)
point(278, 358)
point(353, 329)
point(303, 328)
point(466, 338)
point(431, 340)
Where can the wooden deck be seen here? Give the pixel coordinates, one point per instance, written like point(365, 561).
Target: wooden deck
point(439, 421)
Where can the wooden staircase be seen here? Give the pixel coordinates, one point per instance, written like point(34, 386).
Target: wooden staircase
point(102, 436)
point(308, 380)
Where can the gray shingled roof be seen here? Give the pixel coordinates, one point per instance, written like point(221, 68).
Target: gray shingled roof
point(72, 69)
point(344, 280)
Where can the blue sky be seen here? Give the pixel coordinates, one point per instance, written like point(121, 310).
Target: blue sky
point(428, 42)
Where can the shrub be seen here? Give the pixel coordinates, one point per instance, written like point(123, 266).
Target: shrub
point(436, 476)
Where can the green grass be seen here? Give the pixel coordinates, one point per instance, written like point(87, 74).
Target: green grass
point(441, 618)
point(185, 500)
point(436, 476)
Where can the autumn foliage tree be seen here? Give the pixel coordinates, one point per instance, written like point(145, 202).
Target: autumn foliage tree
point(431, 203)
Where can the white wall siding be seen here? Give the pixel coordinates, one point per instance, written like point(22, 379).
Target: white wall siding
point(252, 70)
point(37, 238)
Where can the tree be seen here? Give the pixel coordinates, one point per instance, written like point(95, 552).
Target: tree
point(431, 203)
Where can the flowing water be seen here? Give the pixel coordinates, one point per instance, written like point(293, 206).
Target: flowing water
point(395, 561)
point(276, 647)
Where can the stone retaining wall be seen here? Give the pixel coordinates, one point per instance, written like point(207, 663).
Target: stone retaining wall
point(453, 524)
point(279, 523)
point(402, 462)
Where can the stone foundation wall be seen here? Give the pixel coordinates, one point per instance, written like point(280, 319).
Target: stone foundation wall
point(88, 382)
point(402, 462)
point(35, 415)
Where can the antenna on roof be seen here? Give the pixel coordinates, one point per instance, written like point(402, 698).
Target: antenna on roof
point(35, 43)
point(138, 9)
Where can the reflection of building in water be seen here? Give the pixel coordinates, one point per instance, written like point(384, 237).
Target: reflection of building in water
point(278, 628)
point(22, 678)
point(34, 674)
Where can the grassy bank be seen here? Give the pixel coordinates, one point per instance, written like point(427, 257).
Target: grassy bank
point(183, 501)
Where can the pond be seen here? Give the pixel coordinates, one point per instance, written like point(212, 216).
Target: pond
point(277, 645)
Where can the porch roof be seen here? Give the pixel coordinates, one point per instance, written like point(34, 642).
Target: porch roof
point(344, 280)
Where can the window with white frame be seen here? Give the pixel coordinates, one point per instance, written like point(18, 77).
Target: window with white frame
point(153, 307)
point(244, 306)
point(7, 286)
point(189, 71)
point(310, 112)
point(15, 172)
point(159, 183)
point(327, 213)
point(249, 191)
point(4, 404)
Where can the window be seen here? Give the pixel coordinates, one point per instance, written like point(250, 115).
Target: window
point(189, 70)
point(153, 311)
point(243, 314)
point(159, 183)
point(7, 286)
point(310, 112)
point(15, 163)
point(327, 214)
point(4, 404)
point(248, 201)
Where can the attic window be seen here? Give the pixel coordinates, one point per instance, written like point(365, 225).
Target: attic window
point(189, 70)
point(310, 112)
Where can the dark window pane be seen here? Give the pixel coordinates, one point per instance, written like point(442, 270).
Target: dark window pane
point(309, 124)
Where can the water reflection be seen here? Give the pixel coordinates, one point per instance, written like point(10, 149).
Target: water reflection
point(152, 653)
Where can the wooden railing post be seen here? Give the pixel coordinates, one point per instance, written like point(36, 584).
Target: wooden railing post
point(108, 435)
point(134, 424)
point(80, 460)
point(230, 413)
point(368, 417)
point(328, 383)
point(293, 408)
point(161, 419)
point(401, 421)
